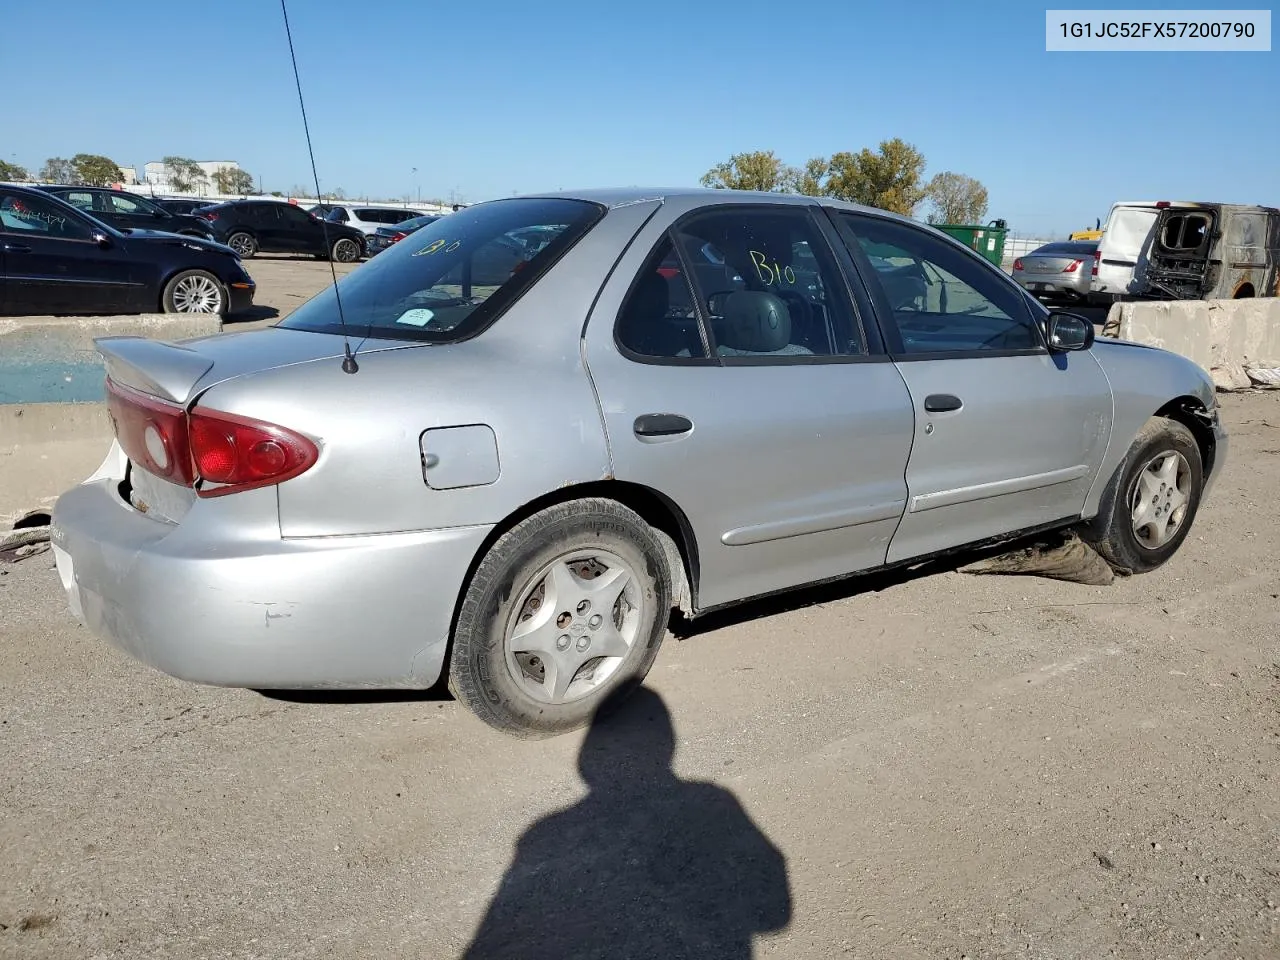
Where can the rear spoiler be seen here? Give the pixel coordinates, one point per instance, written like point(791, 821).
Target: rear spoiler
point(157, 367)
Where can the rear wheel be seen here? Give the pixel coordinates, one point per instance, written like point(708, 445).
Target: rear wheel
point(345, 250)
point(243, 244)
point(564, 615)
point(1148, 508)
point(195, 291)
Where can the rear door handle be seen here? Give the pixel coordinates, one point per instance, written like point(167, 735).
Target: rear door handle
point(16, 248)
point(941, 403)
point(661, 425)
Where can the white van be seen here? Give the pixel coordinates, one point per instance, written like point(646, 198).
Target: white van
point(1121, 260)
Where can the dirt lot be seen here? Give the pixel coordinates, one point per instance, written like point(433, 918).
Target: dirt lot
point(937, 767)
point(284, 283)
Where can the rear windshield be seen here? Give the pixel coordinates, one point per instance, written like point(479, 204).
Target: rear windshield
point(452, 278)
point(1068, 248)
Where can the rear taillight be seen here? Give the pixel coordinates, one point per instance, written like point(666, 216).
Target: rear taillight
point(227, 453)
point(209, 216)
point(1017, 264)
point(1072, 267)
point(1097, 255)
point(152, 432)
point(398, 236)
point(238, 453)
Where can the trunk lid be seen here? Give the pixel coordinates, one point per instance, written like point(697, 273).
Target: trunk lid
point(1054, 263)
point(177, 371)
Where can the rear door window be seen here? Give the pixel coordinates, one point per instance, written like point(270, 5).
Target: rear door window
point(769, 285)
point(453, 277)
point(24, 214)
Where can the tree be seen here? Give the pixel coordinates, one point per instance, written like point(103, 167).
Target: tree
point(95, 170)
point(811, 179)
point(888, 179)
point(184, 175)
point(57, 170)
point(11, 171)
point(233, 180)
point(956, 198)
point(761, 170)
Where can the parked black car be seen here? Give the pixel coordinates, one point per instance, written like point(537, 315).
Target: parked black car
point(273, 226)
point(56, 259)
point(183, 204)
point(128, 211)
point(384, 237)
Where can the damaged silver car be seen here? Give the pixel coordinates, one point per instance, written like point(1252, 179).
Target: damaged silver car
point(502, 452)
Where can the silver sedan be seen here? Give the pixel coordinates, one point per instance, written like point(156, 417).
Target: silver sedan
point(508, 471)
point(1058, 269)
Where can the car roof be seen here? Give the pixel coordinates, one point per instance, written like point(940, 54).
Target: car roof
point(622, 196)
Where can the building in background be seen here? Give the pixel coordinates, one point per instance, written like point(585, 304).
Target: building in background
point(155, 175)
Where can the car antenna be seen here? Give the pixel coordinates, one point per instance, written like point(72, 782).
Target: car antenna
point(349, 364)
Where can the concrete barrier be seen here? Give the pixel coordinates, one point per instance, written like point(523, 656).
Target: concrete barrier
point(1236, 341)
point(54, 430)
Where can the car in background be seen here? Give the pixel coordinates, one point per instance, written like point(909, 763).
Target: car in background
point(368, 219)
point(1062, 269)
point(645, 439)
point(384, 237)
point(250, 227)
point(128, 211)
point(56, 259)
point(183, 204)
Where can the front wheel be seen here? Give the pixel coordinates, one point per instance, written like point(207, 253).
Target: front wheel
point(1148, 508)
point(346, 251)
point(194, 291)
point(564, 615)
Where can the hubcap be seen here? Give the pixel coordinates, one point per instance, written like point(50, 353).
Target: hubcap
point(1160, 497)
point(197, 295)
point(573, 625)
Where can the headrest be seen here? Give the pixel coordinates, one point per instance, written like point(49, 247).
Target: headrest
point(754, 321)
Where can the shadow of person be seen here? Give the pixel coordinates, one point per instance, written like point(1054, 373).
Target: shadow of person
point(646, 866)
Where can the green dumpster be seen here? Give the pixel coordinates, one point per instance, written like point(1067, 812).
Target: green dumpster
point(987, 239)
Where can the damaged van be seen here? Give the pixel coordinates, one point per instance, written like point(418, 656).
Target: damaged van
point(1178, 250)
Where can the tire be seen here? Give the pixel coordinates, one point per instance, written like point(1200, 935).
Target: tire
point(551, 682)
point(345, 250)
point(244, 244)
point(194, 291)
point(1116, 533)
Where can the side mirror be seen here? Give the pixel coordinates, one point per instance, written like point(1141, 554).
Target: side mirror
point(102, 240)
point(1069, 331)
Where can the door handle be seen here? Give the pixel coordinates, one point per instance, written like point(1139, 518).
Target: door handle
point(16, 248)
point(661, 425)
point(941, 403)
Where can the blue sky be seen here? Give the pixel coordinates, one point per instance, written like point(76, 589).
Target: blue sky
point(491, 97)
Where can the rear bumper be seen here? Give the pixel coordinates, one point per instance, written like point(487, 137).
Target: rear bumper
point(339, 612)
point(1047, 284)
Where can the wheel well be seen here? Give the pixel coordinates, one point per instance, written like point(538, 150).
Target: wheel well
point(657, 510)
point(1191, 413)
point(1244, 291)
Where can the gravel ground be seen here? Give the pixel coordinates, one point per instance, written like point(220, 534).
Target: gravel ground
point(939, 767)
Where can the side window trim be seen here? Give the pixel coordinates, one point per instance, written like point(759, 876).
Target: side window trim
point(889, 321)
point(807, 212)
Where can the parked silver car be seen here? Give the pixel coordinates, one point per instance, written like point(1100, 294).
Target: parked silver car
point(1061, 269)
point(683, 399)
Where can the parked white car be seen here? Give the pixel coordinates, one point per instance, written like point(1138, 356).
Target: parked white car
point(369, 219)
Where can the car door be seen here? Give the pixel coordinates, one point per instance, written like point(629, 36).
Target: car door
point(1008, 436)
point(53, 263)
point(756, 400)
point(300, 232)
